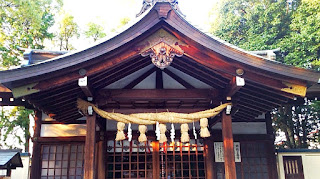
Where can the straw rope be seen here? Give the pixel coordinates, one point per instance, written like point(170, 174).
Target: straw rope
point(152, 118)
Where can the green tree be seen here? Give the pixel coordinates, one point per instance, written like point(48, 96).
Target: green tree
point(67, 30)
point(95, 31)
point(302, 44)
point(24, 24)
point(123, 21)
point(13, 120)
point(292, 27)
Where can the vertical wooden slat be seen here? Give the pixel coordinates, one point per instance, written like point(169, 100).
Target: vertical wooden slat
point(209, 158)
point(36, 154)
point(90, 145)
point(229, 162)
point(155, 158)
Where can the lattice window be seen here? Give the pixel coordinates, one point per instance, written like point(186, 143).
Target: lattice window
point(293, 167)
point(62, 161)
point(182, 160)
point(129, 159)
point(253, 164)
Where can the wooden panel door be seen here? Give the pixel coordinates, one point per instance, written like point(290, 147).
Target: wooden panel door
point(293, 168)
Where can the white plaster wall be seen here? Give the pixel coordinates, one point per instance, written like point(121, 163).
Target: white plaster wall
point(310, 162)
point(22, 173)
point(66, 130)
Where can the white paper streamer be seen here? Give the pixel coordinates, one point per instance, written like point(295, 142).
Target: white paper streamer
point(194, 131)
point(129, 132)
point(158, 131)
point(172, 134)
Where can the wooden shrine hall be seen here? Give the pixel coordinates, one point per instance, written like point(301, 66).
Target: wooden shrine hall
point(161, 65)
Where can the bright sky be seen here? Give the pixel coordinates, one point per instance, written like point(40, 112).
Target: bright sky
point(109, 12)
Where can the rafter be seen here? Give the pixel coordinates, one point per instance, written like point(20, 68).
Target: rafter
point(140, 78)
point(159, 79)
point(178, 79)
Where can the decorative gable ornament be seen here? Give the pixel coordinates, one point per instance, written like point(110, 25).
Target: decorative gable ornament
point(162, 54)
point(146, 4)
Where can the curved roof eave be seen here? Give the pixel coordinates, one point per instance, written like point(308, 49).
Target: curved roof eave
point(242, 56)
point(61, 62)
point(149, 20)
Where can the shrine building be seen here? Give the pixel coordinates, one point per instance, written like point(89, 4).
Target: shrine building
point(159, 100)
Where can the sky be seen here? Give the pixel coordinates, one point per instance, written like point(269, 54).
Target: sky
point(108, 13)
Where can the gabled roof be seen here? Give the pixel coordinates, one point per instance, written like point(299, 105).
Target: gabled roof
point(10, 159)
point(53, 83)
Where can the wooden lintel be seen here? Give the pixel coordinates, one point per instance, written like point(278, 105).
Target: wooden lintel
point(158, 94)
point(143, 110)
point(85, 87)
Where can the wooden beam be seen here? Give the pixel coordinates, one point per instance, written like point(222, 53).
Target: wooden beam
point(232, 88)
point(85, 86)
point(265, 95)
point(159, 79)
point(161, 94)
point(36, 153)
point(178, 79)
point(249, 95)
point(90, 148)
point(140, 78)
point(229, 161)
point(257, 87)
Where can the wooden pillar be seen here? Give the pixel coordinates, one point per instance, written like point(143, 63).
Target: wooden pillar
point(36, 151)
point(229, 161)
point(209, 158)
point(155, 159)
point(101, 158)
point(272, 161)
point(90, 148)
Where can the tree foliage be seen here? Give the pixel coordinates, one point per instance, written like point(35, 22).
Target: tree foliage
point(24, 24)
point(68, 29)
point(294, 27)
point(11, 121)
point(95, 31)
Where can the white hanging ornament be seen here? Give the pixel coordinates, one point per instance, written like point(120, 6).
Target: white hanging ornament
point(158, 131)
point(194, 131)
point(129, 132)
point(172, 132)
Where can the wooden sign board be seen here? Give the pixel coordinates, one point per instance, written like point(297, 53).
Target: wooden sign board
point(219, 152)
